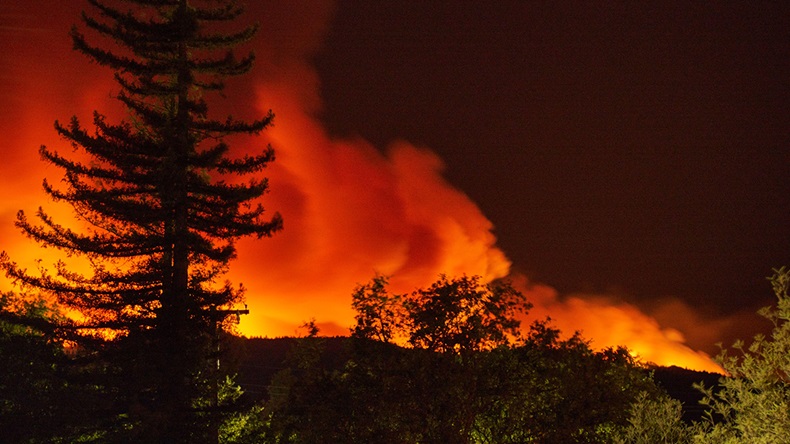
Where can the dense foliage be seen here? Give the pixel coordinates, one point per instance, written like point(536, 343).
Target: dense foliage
point(160, 203)
point(532, 387)
point(750, 405)
point(477, 381)
point(38, 387)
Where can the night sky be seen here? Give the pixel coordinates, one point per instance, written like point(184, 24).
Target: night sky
point(636, 148)
point(626, 163)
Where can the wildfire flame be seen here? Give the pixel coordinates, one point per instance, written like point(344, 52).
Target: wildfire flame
point(350, 210)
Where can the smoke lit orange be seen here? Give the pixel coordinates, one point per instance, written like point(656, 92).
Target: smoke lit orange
point(350, 211)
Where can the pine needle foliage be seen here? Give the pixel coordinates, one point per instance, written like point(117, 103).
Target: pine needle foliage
point(161, 202)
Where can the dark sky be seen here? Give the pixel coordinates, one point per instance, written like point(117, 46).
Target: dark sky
point(639, 148)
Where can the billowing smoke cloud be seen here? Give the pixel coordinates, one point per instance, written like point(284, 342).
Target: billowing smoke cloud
point(606, 322)
point(351, 210)
point(42, 80)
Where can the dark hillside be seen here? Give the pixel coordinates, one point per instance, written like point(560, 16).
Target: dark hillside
point(679, 384)
point(264, 357)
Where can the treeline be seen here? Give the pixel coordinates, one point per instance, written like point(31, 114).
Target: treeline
point(540, 391)
point(477, 381)
point(467, 375)
point(480, 381)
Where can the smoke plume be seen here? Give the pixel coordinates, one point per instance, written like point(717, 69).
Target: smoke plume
point(351, 209)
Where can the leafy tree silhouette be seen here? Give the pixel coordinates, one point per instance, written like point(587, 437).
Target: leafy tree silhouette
point(751, 404)
point(467, 374)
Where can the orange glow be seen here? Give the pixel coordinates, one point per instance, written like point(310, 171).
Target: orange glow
point(607, 323)
point(350, 211)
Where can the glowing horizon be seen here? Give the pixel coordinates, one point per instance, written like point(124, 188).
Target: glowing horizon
point(350, 210)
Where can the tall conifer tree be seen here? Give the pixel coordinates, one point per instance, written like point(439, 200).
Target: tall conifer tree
point(161, 207)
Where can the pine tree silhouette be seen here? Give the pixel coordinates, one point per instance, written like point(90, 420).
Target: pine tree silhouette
point(159, 210)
